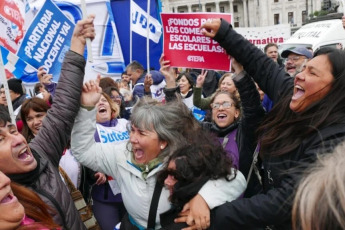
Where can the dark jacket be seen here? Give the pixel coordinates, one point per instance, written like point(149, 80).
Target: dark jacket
point(138, 88)
point(252, 115)
point(52, 139)
point(280, 177)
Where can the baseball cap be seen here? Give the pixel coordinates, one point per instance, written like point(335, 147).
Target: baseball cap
point(297, 50)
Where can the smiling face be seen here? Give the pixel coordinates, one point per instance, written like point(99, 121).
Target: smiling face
point(103, 110)
point(146, 145)
point(228, 85)
point(34, 120)
point(184, 85)
point(294, 63)
point(15, 154)
point(312, 84)
point(11, 211)
point(223, 117)
point(170, 180)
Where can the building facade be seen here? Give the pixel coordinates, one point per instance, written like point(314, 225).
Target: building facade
point(252, 13)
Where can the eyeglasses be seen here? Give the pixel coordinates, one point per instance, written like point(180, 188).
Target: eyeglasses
point(225, 104)
point(116, 97)
point(294, 59)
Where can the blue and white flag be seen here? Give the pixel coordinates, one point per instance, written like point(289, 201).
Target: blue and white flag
point(121, 11)
point(47, 39)
point(18, 67)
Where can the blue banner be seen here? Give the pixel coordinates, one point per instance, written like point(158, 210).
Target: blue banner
point(47, 39)
point(121, 12)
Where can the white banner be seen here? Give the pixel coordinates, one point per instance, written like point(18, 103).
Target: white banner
point(261, 36)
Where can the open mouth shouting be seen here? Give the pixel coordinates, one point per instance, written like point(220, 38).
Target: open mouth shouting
point(9, 198)
point(25, 156)
point(298, 92)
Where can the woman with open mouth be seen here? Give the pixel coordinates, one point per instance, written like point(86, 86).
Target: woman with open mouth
point(21, 208)
point(156, 130)
point(308, 118)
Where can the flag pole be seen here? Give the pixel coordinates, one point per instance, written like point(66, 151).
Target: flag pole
point(7, 91)
point(88, 40)
point(148, 37)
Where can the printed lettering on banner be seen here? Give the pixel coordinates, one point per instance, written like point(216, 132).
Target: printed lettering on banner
point(157, 91)
point(47, 39)
point(113, 135)
point(186, 46)
point(139, 23)
point(261, 36)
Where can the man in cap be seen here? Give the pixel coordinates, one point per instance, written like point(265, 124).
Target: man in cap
point(295, 59)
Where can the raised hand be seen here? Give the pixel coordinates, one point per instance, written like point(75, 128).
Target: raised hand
point(168, 72)
point(91, 92)
point(210, 28)
point(148, 81)
point(82, 30)
point(201, 79)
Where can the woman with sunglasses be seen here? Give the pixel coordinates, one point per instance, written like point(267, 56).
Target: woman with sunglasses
point(187, 170)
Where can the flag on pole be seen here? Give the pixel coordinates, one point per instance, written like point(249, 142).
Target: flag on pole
point(15, 66)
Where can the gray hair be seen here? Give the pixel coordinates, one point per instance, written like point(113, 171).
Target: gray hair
point(173, 122)
point(320, 198)
point(134, 65)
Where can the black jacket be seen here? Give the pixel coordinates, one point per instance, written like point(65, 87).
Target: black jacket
point(252, 115)
point(52, 139)
point(273, 207)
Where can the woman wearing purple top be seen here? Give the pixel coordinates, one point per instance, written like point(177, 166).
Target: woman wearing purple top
point(234, 122)
point(107, 205)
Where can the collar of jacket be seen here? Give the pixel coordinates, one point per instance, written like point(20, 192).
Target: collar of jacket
point(222, 132)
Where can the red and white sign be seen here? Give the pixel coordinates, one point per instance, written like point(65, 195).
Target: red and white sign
point(185, 45)
point(11, 24)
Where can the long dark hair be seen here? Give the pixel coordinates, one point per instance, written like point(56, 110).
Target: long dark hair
point(201, 160)
point(284, 130)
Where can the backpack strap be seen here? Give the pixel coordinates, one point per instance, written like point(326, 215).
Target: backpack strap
point(154, 205)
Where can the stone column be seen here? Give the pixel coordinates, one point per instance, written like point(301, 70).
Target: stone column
point(231, 6)
point(217, 6)
point(245, 15)
point(189, 8)
point(202, 7)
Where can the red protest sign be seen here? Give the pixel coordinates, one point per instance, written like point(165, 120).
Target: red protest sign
point(185, 46)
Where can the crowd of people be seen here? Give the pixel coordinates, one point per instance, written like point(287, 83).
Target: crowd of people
point(263, 150)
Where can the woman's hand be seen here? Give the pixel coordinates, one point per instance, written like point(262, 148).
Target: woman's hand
point(168, 72)
point(101, 178)
point(210, 28)
point(195, 213)
point(91, 92)
point(82, 30)
point(201, 79)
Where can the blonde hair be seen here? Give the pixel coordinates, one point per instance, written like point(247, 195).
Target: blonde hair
point(320, 198)
point(115, 108)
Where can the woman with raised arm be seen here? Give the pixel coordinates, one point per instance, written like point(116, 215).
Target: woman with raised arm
point(308, 118)
point(35, 165)
point(156, 130)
